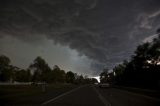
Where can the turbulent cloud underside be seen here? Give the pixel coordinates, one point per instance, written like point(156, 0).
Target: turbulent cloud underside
point(104, 31)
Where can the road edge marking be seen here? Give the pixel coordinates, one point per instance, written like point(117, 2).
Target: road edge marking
point(105, 102)
point(66, 93)
point(136, 94)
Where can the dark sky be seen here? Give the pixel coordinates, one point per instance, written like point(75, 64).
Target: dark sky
point(83, 36)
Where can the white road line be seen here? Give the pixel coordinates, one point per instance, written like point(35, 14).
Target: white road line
point(136, 94)
point(105, 102)
point(53, 99)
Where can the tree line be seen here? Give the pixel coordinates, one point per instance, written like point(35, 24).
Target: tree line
point(39, 71)
point(142, 70)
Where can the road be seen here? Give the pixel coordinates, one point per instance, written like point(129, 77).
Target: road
point(93, 96)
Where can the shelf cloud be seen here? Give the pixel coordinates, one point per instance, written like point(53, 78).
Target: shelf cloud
point(104, 31)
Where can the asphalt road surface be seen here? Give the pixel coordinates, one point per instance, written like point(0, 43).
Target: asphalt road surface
point(90, 95)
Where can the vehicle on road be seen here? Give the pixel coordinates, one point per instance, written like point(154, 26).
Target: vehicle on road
point(104, 85)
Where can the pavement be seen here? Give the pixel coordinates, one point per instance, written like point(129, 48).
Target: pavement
point(90, 95)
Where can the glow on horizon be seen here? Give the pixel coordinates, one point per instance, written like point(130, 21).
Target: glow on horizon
point(98, 78)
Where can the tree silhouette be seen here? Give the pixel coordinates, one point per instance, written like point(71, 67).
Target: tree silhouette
point(5, 72)
point(104, 76)
point(70, 77)
point(23, 76)
point(143, 69)
point(41, 69)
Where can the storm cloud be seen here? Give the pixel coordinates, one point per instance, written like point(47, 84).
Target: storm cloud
point(105, 31)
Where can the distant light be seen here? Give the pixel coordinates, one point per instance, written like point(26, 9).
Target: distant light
point(98, 78)
point(114, 73)
point(149, 61)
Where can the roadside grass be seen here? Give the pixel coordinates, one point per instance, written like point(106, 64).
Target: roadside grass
point(31, 94)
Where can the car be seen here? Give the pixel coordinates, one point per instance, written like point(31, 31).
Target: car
point(104, 85)
point(96, 83)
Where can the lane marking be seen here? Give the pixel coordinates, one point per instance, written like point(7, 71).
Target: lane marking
point(136, 94)
point(105, 102)
point(53, 99)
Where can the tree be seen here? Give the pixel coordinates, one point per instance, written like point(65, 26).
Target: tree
point(13, 70)
point(36, 76)
point(70, 77)
point(80, 79)
point(5, 72)
point(119, 71)
point(41, 69)
point(58, 74)
point(143, 70)
point(4, 61)
point(154, 50)
point(23, 76)
point(104, 76)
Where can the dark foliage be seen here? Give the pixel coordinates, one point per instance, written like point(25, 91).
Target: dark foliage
point(39, 71)
point(143, 70)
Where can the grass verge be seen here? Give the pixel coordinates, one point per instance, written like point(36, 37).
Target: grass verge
point(30, 94)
